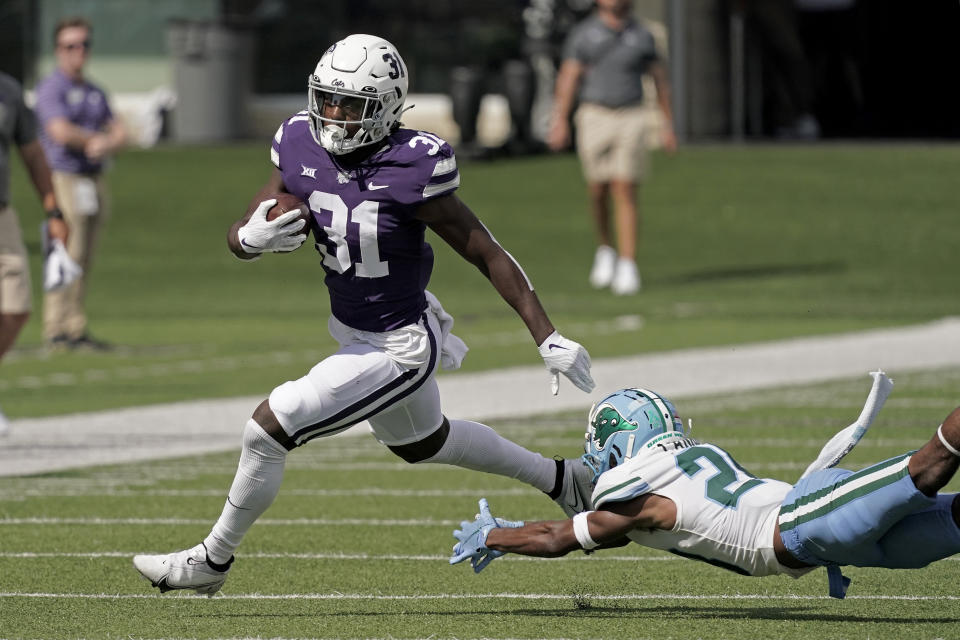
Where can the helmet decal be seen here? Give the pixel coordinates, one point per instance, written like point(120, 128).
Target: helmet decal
point(608, 421)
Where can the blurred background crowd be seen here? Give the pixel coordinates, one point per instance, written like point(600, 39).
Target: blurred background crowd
point(482, 71)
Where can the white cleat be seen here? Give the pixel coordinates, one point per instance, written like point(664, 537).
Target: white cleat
point(577, 491)
point(186, 569)
point(604, 261)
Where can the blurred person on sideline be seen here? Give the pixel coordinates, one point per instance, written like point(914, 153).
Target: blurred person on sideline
point(79, 132)
point(604, 59)
point(18, 126)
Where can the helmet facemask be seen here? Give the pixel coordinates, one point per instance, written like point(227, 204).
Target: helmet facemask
point(363, 118)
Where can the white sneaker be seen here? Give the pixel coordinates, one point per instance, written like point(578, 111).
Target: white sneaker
point(626, 280)
point(576, 494)
point(604, 261)
point(186, 569)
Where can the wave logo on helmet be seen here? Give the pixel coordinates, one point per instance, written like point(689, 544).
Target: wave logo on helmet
point(607, 422)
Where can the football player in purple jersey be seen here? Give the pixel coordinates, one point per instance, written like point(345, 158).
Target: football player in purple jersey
point(373, 189)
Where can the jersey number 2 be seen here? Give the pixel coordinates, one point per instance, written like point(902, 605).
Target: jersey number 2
point(361, 220)
point(689, 463)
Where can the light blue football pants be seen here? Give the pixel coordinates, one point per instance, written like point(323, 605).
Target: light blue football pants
point(875, 517)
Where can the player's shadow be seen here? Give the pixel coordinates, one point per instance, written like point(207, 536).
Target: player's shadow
point(797, 613)
point(758, 271)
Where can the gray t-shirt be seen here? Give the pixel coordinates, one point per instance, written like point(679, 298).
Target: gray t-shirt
point(614, 61)
point(18, 126)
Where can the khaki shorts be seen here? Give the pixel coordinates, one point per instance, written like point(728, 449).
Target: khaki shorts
point(610, 143)
point(14, 268)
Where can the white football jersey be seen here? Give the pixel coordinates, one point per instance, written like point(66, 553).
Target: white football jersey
point(725, 516)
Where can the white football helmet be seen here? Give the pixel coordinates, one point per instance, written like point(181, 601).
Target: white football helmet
point(365, 76)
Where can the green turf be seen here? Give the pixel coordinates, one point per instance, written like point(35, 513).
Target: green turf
point(737, 245)
point(349, 499)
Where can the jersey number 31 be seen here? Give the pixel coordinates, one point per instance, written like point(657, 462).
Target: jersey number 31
point(364, 216)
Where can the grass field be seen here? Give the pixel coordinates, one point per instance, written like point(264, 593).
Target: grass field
point(738, 245)
point(356, 544)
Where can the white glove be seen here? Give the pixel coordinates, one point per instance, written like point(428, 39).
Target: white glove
point(59, 269)
point(569, 358)
point(259, 235)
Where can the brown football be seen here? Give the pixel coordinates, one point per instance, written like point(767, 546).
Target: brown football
point(289, 202)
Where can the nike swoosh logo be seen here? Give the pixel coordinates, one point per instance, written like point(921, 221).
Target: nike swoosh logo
point(247, 244)
point(553, 345)
point(374, 187)
point(194, 562)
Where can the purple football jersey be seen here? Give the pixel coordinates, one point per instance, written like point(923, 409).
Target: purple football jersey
point(372, 247)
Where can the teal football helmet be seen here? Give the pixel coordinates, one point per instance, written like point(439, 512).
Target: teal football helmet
point(620, 424)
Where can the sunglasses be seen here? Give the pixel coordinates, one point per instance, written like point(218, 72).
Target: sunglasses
point(71, 46)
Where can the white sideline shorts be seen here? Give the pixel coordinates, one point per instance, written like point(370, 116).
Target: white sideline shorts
point(385, 378)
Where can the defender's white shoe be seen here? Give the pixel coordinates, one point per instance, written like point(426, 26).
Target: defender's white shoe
point(604, 261)
point(186, 569)
point(576, 494)
point(626, 279)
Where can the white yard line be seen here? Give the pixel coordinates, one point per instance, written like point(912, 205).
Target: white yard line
point(468, 596)
point(40, 445)
point(28, 555)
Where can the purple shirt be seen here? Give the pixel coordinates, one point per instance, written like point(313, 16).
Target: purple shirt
point(82, 104)
point(371, 245)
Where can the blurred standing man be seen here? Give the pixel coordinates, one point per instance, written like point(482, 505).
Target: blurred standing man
point(19, 127)
point(604, 58)
point(79, 133)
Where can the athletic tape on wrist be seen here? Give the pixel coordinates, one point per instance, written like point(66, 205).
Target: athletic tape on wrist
point(582, 532)
point(949, 447)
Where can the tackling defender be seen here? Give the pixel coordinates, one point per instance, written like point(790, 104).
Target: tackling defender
point(661, 489)
point(373, 188)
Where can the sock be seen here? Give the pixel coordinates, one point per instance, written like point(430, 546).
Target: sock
point(254, 488)
point(476, 446)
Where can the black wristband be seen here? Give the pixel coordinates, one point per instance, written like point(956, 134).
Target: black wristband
point(55, 213)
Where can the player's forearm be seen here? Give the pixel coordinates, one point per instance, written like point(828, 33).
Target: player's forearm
point(273, 186)
point(62, 131)
point(233, 242)
point(513, 286)
point(39, 171)
point(550, 539)
point(664, 94)
point(568, 80)
point(116, 134)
